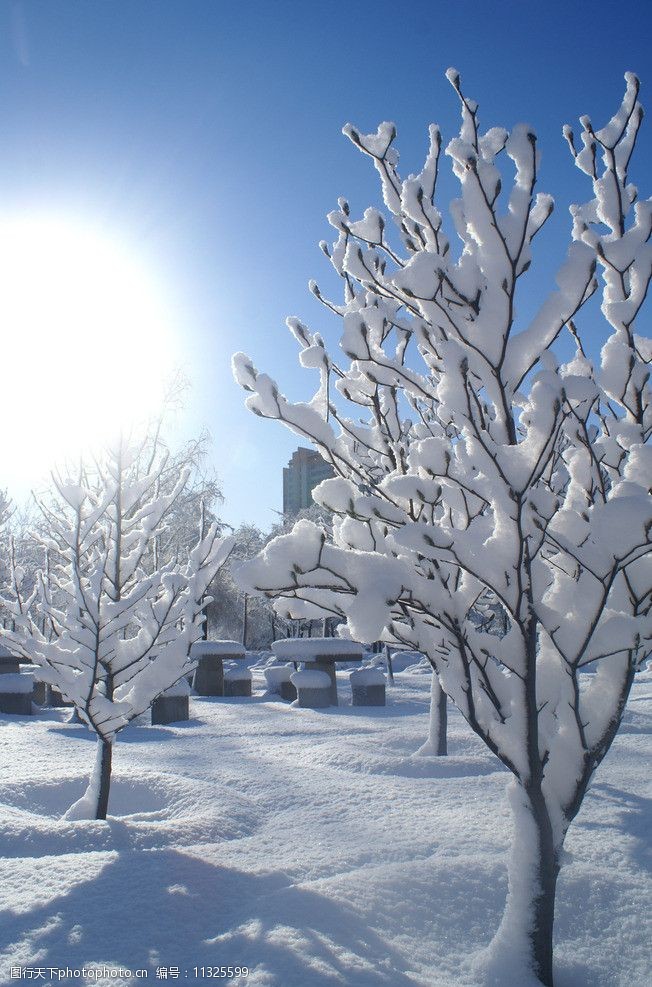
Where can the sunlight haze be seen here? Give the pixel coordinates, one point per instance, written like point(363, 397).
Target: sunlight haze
point(86, 331)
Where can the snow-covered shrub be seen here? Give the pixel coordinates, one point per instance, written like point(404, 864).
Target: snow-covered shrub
point(484, 478)
point(107, 625)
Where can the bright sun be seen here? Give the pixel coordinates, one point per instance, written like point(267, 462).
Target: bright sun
point(86, 343)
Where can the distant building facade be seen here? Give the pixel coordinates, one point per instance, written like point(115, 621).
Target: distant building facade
point(301, 475)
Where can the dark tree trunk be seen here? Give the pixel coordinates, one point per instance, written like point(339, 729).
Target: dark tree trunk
point(539, 867)
point(204, 626)
point(104, 780)
point(543, 903)
point(442, 716)
point(102, 773)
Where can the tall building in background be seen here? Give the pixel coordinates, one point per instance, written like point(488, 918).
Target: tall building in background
point(301, 475)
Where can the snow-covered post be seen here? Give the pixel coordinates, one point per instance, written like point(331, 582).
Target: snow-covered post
point(121, 628)
point(388, 664)
point(518, 488)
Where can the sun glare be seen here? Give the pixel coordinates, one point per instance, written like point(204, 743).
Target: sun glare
point(86, 342)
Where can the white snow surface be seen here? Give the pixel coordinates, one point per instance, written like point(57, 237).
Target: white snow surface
point(180, 688)
point(311, 846)
point(310, 679)
point(310, 647)
point(222, 648)
point(237, 674)
point(402, 660)
point(367, 676)
point(15, 682)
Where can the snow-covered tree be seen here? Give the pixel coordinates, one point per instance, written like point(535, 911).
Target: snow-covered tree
point(200, 497)
point(109, 626)
point(484, 477)
point(6, 511)
point(229, 610)
point(233, 610)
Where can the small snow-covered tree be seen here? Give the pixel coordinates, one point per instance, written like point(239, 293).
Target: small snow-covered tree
point(200, 497)
point(231, 608)
point(6, 511)
point(225, 615)
point(486, 484)
point(109, 626)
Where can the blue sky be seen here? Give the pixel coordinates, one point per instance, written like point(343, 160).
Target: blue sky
point(205, 136)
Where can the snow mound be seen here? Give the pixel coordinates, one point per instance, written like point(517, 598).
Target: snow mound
point(277, 674)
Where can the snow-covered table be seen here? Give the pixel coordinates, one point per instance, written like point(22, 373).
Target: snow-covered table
point(16, 693)
point(321, 653)
point(8, 662)
point(208, 679)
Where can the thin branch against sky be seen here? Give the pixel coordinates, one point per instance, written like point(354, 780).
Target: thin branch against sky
point(205, 139)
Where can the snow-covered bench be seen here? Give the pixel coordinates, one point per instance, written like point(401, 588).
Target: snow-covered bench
point(56, 698)
point(42, 693)
point(313, 689)
point(16, 693)
point(173, 705)
point(39, 689)
point(321, 654)
point(278, 679)
point(237, 682)
point(367, 687)
point(208, 679)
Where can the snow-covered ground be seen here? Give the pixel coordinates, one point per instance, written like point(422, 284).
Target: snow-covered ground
point(309, 846)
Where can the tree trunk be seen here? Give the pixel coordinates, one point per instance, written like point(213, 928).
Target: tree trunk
point(525, 934)
point(442, 718)
point(543, 910)
point(102, 773)
point(103, 780)
point(204, 626)
point(437, 726)
point(94, 802)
